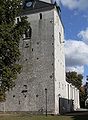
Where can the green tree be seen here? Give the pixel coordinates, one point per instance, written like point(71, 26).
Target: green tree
point(74, 78)
point(10, 34)
point(82, 96)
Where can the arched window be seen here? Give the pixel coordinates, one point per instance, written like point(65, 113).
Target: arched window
point(27, 33)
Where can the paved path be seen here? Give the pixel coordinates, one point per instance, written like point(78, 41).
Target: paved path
point(79, 112)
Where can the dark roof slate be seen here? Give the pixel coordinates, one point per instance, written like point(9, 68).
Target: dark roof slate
point(38, 6)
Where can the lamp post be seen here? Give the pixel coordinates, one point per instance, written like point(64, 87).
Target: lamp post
point(0, 77)
point(46, 99)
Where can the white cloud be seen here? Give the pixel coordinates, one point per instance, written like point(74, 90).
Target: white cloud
point(78, 69)
point(71, 4)
point(74, 4)
point(84, 35)
point(76, 55)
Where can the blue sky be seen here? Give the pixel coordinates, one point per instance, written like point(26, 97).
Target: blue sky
point(74, 22)
point(75, 19)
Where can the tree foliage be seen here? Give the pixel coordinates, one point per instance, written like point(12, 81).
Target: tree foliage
point(10, 34)
point(74, 78)
point(82, 96)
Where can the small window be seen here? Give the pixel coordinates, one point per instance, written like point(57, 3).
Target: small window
point(37, 43)
point(60, 37)
point(53, 54)
point(18, 20)
point(52, 35)
point(19, 102)
point(25, 86)
point(13, 96)
point(36, 95)
point(40, 16)
point(32, 49)
point(52, 43)
point(52, 63)
point(59, 84)
point(25, 96)
point(37, 58)
point(51, 76)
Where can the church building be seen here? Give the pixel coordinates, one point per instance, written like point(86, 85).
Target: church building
point(41, 86)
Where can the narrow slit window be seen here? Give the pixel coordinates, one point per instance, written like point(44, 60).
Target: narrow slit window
point(60, 37)
point(32, 49)
point(40, 16)
point(25, 96)
point(19, 102)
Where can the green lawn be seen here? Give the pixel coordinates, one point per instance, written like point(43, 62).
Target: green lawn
point(29, 117)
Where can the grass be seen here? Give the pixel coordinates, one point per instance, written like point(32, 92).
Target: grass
point(39, 117)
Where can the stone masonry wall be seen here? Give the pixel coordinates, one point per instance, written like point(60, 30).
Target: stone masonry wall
point(37, 59)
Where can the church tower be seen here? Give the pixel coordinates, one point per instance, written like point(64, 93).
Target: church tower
point(43, 61)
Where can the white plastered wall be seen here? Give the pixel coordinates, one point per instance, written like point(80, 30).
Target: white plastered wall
point(59, 57)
